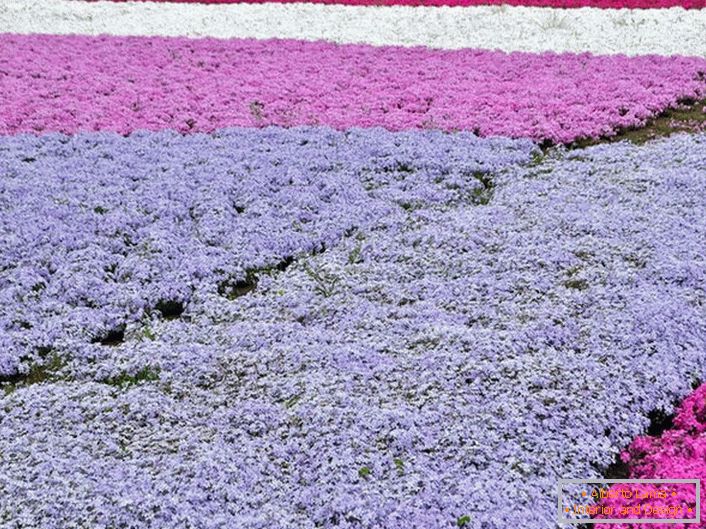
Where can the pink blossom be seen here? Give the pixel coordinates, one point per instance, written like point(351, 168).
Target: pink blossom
point(121, 84)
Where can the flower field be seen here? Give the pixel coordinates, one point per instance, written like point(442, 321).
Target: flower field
point(184, 86)
point(362, 265)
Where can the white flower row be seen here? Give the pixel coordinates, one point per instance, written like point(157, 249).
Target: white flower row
point(673, 31)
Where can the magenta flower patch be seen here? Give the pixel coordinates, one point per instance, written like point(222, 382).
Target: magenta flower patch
point(679, 452)
point(615, 4)
point(121, 84)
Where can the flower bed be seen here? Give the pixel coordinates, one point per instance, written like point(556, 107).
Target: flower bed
point(483, 326)
point(680, 452)
point(105, 228)
point(57, 83)
point(508, 28)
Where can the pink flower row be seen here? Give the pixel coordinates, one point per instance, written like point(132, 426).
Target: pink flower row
point(81, 83)
point(679, 453)
point(615, 4)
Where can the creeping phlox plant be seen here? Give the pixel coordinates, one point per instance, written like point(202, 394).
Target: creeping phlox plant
point(678, 453)
point(65, 83)
point(475, 324)
point(103, 230)
point(596, 30)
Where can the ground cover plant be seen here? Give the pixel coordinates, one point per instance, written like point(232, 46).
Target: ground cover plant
point(316, 370)
point(105, 229)
point(292, 265)
point(678, 452)
point(664, 32)
point(65, 84)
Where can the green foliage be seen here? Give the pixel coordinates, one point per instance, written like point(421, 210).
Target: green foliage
point(354, 255)
point(39, 372)
point(124, 380)
point(364, 472)
point(234, 289)
point(292, 401)
point(463, 521)
point(148, 334)
point(576, 284)
point(326, 283)
point(483, 193)
point(686, 116)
